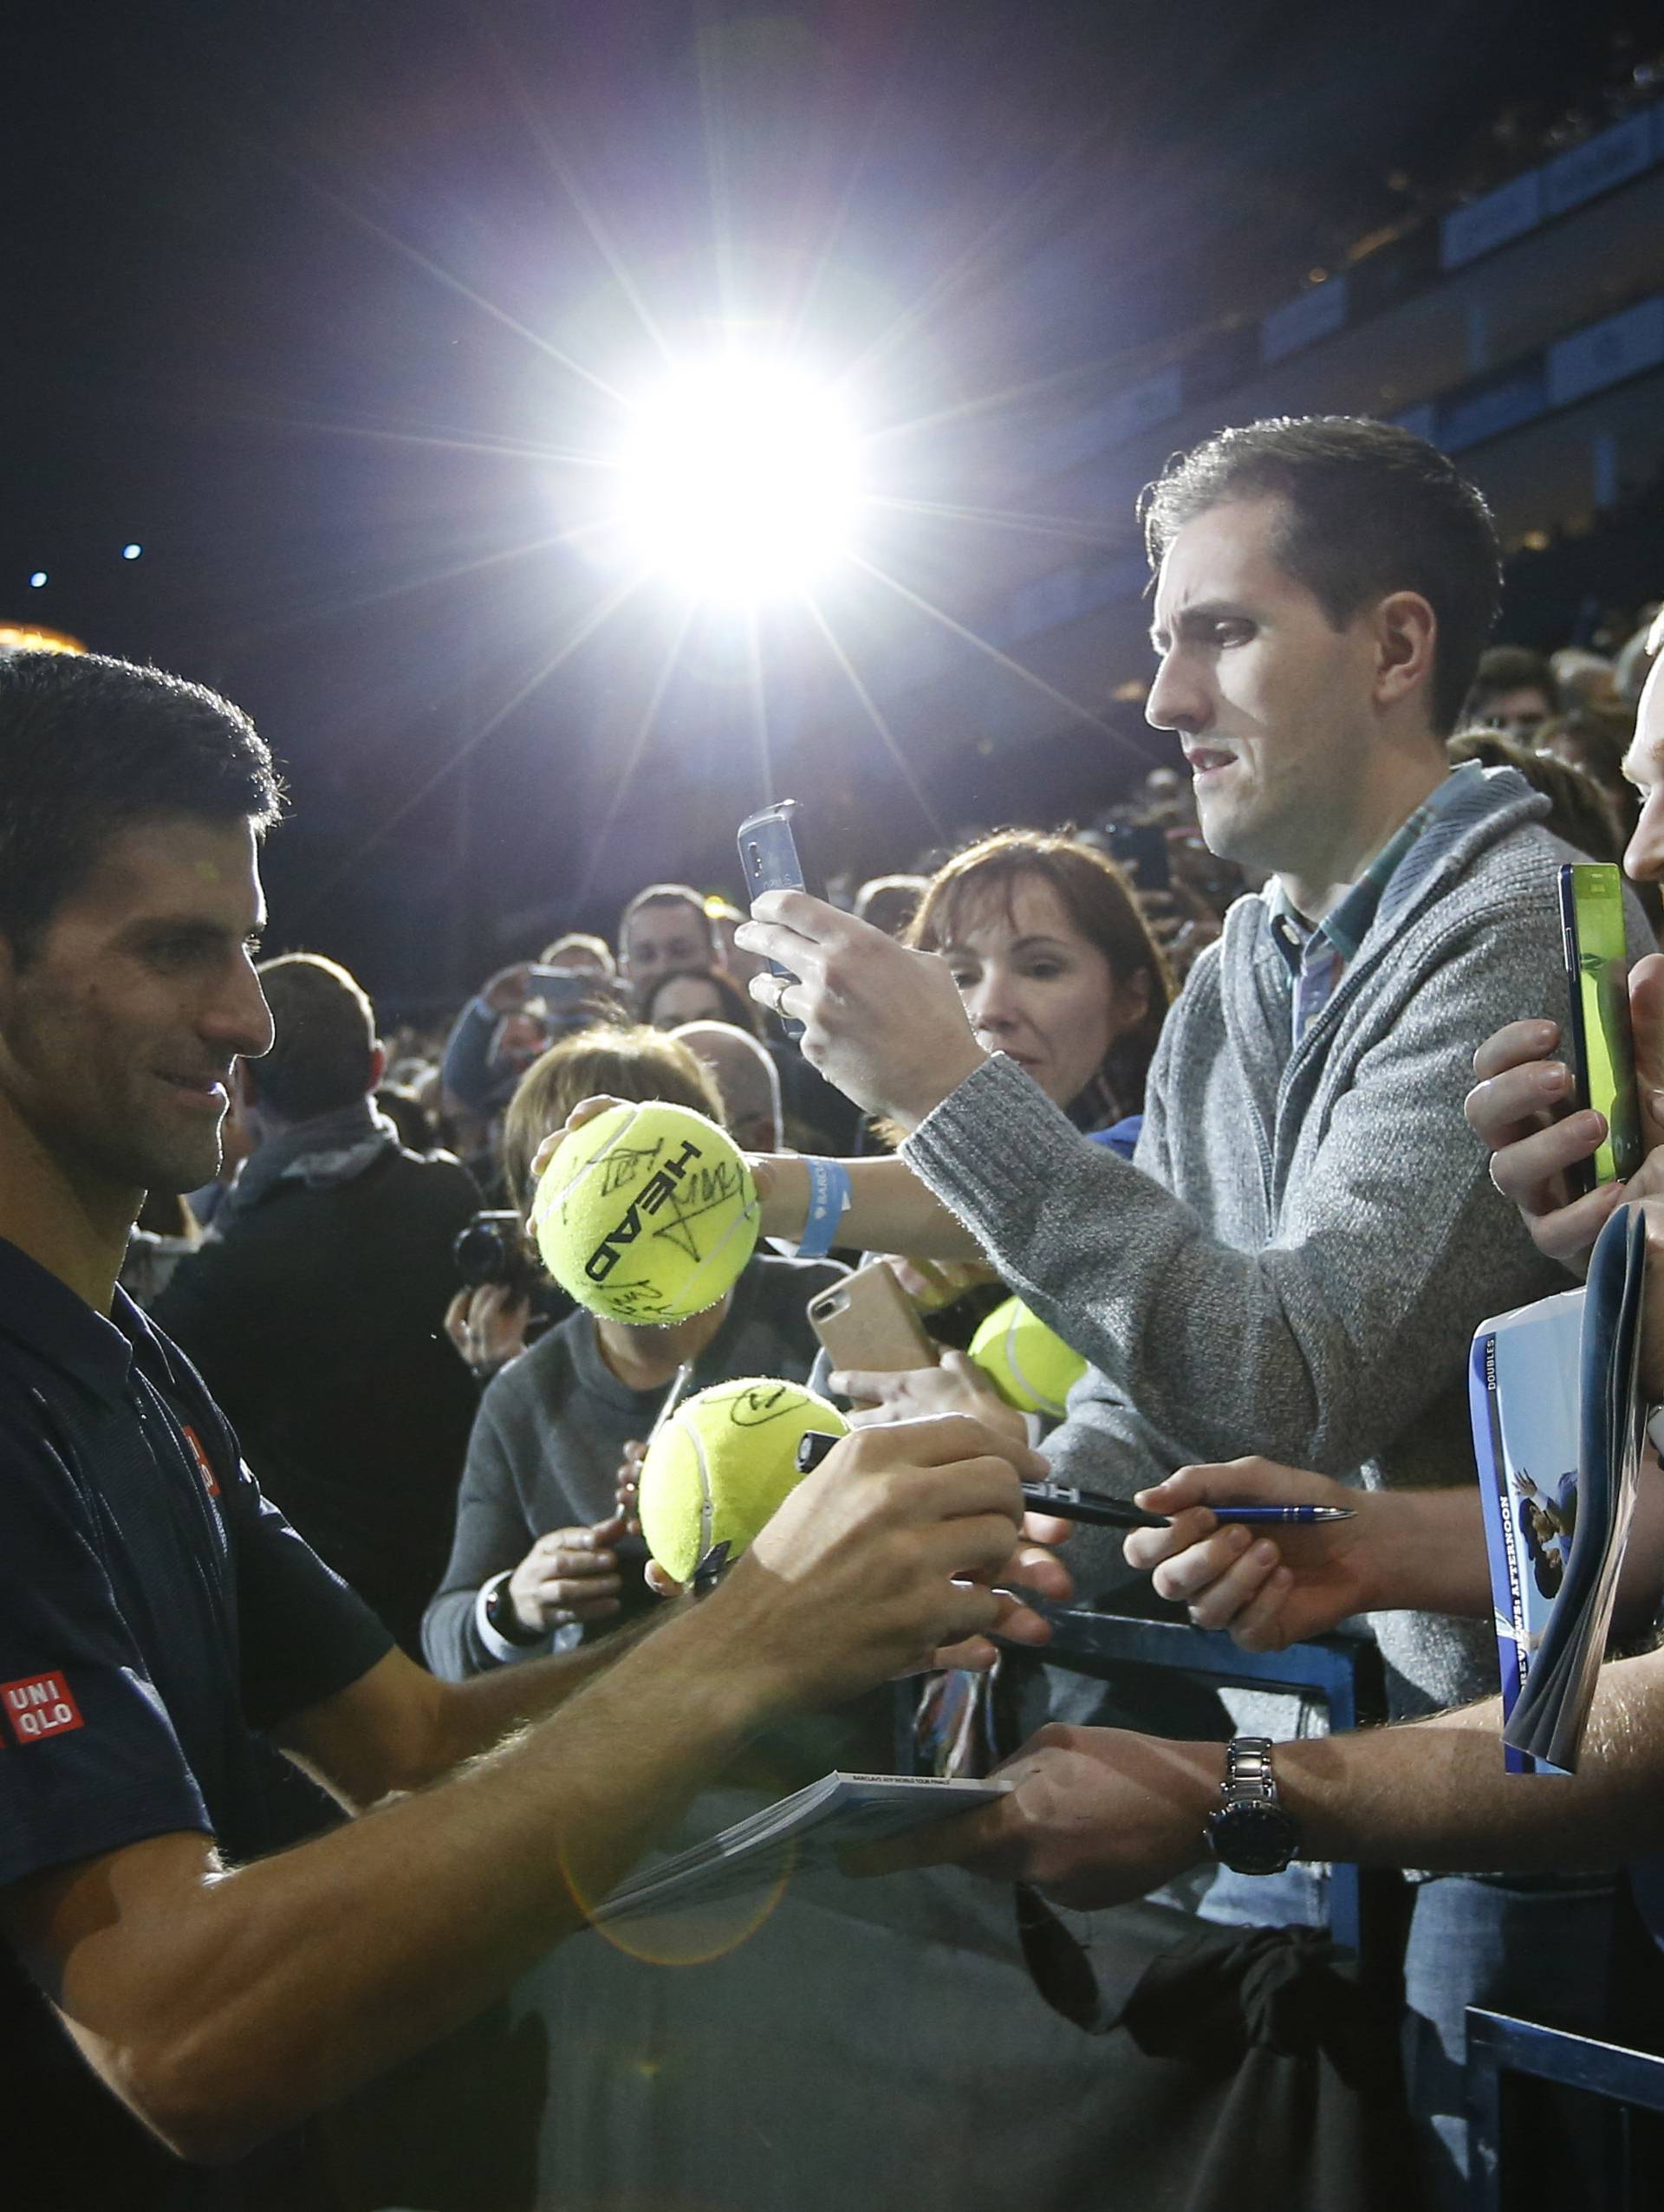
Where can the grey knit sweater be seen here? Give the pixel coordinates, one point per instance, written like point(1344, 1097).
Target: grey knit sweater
point(1297, 1260)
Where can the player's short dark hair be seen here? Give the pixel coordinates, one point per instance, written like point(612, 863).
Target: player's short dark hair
point(323, 1036)
point(1369, 509)
point(89, 746)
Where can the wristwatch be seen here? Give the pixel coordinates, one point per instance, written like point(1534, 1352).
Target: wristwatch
point(504, 1620)
point(1250, 1833)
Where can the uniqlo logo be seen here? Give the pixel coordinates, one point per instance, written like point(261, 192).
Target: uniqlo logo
point(40, 1705)
point(204, 1465)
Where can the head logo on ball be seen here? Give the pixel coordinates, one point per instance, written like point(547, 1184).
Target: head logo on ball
point(647, 1214)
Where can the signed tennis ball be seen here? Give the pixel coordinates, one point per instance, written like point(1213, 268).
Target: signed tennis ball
point(721, 1464)
point(1027, 1362)
point(646, 1214)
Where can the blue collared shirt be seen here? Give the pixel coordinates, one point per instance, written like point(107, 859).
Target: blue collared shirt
point(1317, 952)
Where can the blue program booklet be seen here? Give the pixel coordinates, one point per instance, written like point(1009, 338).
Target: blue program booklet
point(1559, 1424)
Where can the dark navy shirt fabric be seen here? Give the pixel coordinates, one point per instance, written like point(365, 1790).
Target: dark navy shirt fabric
point(156, 1613)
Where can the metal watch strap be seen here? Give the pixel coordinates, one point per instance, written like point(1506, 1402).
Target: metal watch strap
point(1248, 1771)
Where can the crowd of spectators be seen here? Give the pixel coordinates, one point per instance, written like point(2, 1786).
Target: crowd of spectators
point(1187, 1076)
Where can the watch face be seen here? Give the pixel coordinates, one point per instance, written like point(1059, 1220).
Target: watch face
point(1252, 1838)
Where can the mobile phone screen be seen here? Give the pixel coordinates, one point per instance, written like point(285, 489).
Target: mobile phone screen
point(1597, 971)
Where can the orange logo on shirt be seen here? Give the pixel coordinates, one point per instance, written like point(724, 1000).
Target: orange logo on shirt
point(204, 1465)
point(40, 1705)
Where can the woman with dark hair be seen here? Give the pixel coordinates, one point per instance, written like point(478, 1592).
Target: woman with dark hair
point(1055, 964)
point(701, 994)
point(1058, 969)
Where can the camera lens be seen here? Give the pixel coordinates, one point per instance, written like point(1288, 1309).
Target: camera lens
point(484, 1251)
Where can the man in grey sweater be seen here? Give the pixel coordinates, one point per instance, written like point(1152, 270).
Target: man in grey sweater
point(1295, 1260)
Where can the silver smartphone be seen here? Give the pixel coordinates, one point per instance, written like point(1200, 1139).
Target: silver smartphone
point(769, 860)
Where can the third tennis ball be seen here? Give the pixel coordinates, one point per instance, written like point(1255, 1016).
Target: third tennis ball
point(646, 1214)
point(722, 1463)
point(1027, 1362)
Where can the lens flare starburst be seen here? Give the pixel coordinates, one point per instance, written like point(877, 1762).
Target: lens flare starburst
point(738, 481)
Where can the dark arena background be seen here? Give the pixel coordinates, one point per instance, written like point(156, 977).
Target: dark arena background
point(353, 321)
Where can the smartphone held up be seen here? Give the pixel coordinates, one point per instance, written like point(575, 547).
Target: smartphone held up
point(769, 861)
point(1598, 1035)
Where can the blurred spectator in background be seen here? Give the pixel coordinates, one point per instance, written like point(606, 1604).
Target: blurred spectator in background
point(516, 1015)
point(314, 1310)
point(542, 1553)
point(580, 954)
point(1167, 798)
point(747, 1079)
point(1580, 812)
point(1585, 678)
point(418, 1129)
point(665, 930)
point(889, 903)
point(1595, 740)
point(698, 994)
point(725, 918)
point(1514, 692)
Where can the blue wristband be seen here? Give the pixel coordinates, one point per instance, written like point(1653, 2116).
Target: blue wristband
point(828, 1201)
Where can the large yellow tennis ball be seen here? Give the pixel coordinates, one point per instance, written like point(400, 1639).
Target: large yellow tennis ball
point(721, 1464)
point(1027, 1362)
point(646, 1214)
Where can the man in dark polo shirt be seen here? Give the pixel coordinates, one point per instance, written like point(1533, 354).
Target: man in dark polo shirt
point(162, 1628)
point(316, 1311)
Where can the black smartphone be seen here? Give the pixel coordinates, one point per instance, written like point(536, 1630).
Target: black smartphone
point(769, 860)
point(1141, 849)
point(1598, 1036)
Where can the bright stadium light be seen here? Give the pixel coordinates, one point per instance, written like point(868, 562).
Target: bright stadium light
point(739, 481)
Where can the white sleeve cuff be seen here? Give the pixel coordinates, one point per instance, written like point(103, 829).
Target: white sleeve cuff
point(499, 1647)
point(560, 1639)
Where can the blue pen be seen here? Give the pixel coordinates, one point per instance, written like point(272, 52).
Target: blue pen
point(1288, 1516)
point(1066, 1503)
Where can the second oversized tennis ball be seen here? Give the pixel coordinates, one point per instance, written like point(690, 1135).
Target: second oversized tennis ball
point(1027, 1362)
point(721, 1464)
point(646, 1214)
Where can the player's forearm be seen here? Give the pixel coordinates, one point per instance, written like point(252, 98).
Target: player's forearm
point(269, 1991)
point(476, 1714)
point(1434, 1793)
point(889, 1210)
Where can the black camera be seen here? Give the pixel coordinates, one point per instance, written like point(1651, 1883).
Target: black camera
point(492, 1249)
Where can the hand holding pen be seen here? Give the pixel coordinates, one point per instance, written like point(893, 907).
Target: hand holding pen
point(1267, 1586)
point(1066, 1502)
